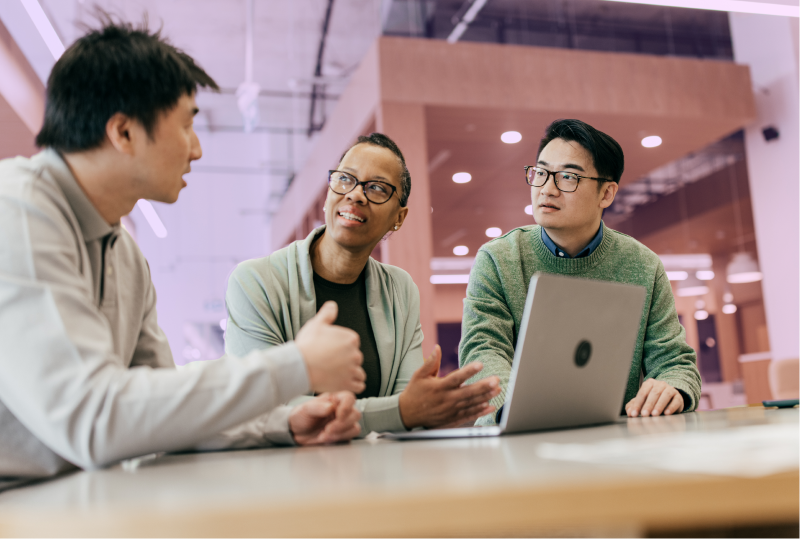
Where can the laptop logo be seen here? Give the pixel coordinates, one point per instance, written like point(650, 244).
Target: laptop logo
point(582, 353)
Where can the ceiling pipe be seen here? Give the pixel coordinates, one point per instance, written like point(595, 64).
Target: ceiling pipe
point(247, 92)
point(465, 21)
point(318, 89)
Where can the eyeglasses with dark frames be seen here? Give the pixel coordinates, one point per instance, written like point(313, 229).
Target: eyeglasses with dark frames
point(376, 192)
point(566, 182)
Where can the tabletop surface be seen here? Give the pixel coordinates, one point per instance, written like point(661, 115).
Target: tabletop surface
point(624, 453)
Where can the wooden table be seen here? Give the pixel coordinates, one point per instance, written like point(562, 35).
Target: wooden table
point(460, 487)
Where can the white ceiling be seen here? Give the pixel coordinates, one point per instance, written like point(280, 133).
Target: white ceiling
point(286, 42)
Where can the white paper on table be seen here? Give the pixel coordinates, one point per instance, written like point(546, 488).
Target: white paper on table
point(744, 451)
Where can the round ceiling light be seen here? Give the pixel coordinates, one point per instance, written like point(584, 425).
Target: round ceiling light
point(692, 286)
point(511, 137)
point(529, 209)
point(493, 232)
point(705, 275)
point(743, 269)
point(651, 141)
point(460, 250)
point(729, 308)
point(462, 177)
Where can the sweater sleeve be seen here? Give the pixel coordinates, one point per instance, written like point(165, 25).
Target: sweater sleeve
point(487, 329)
point(666, 356)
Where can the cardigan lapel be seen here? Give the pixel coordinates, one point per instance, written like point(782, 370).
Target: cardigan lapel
point(380, 305)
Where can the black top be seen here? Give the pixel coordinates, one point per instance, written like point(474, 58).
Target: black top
point(352, 302)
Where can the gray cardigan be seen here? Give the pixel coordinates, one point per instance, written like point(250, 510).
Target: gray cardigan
point(269, 299)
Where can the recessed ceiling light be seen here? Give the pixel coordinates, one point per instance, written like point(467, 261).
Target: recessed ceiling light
point(651, 141)
point(460, 250)
point(493, 232)
point(462, 177)
point(529, 209)
point(705, 275)
point(700, 315)
point(729, 308)
point(511, 137)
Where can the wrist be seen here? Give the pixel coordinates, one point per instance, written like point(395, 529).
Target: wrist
point(406, 415)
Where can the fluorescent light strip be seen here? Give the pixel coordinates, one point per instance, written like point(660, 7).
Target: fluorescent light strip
point(152, 218)
point(450, 279)
point(736, 6)
point(46, 30)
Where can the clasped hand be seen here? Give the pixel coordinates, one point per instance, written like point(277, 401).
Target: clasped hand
point(433, 402)
point(327, 419)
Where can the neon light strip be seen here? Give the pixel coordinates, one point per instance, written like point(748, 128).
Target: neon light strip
point(736, 6)
point(450, 279)
point(152, 217)
point(46, 30)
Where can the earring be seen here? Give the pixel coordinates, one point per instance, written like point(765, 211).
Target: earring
point(396, 227)
point(324, 208)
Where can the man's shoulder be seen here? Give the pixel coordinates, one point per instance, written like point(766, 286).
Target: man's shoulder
point(512, 240)
point(628, 247)
point(21, 177)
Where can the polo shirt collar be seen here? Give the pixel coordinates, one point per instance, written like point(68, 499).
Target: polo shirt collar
point(92, 224)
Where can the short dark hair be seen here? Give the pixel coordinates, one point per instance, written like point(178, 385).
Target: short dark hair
point(116, 68)
point(379, 139)
point(605, 151)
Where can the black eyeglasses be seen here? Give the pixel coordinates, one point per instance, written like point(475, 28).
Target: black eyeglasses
point(566, 182)
point(376, 192)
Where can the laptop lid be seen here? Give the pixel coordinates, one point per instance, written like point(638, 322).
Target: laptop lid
point(573, 354)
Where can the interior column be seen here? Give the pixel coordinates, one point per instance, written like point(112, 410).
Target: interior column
point(768, 44)
point(411, 248)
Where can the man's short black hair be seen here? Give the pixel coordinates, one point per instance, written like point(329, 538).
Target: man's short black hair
point(379, 139)
point(605, 151)
point(116, 68)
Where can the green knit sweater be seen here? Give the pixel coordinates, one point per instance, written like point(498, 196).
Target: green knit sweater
point(496, 294)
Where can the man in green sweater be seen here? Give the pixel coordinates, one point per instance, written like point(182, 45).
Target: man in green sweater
point(575, 178)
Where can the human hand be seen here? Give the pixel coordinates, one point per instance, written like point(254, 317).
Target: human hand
point(655, 397)
point(332, 353)
point(430, 401)
point(327, 419)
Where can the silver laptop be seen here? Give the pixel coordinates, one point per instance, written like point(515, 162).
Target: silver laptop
point(572, 359)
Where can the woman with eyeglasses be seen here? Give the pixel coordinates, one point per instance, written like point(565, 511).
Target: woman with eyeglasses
point(270, 299)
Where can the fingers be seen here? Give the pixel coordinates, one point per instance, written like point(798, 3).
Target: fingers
point(318, 407)
point(484, 395)
point(676, 404)
point(470, 415)
point(477, 393)
point(328, 312)
point(651, 400)
point(666, 397)
point(634, 407)
point(459, 376)
point(431, 365)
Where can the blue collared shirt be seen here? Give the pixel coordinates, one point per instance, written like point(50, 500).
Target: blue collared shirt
point(586, 251)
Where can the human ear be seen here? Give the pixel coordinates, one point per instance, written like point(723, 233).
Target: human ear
point(401, 216)
point(119, 132)
point(609, 192)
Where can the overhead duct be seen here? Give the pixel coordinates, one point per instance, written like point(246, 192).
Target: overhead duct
point(247, 92)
